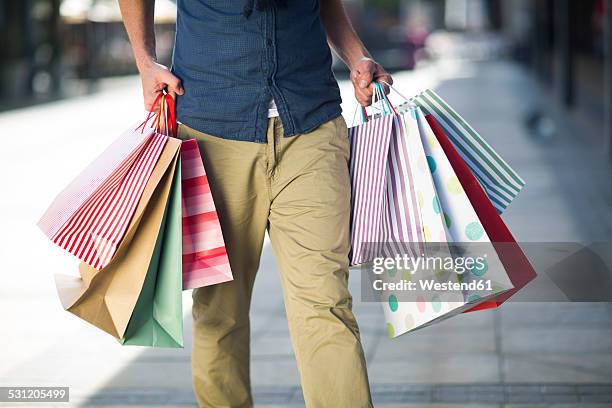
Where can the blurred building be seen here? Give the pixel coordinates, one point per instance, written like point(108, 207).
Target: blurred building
point(95, 41)
point(30, 47)
point(46, 44)
point(568, 44)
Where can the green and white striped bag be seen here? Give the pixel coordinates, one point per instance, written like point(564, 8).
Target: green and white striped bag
point(501, 183)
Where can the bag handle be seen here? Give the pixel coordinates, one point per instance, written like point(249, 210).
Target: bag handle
point(380, 97)
point(171, 115)
point(164, 122)
point(150, 115)
point(398, 92)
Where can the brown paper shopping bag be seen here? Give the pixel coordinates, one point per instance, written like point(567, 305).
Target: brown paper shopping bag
point(106, 298)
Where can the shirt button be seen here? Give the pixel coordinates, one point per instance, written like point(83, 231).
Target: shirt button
point(269, 41)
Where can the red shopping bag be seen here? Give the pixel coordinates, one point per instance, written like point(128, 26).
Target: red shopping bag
point(515, 262)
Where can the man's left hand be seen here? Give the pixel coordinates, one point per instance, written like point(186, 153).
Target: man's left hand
point(363, 74)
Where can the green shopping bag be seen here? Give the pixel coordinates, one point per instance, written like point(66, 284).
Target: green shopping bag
point(157, 320)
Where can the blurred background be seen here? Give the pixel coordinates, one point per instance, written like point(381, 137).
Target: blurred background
point(51, 49)
point(534, 77)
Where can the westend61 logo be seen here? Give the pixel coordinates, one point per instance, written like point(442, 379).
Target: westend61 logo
point(435, 273)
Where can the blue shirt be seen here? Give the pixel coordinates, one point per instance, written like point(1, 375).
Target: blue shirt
point(232, 64)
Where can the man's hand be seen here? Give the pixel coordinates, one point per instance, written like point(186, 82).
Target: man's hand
point(155, 78)
point(363, 73)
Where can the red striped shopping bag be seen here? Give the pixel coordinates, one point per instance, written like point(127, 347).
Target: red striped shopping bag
point(205, 260)
point(112, 164)
point(94, 231)
point(89, 218)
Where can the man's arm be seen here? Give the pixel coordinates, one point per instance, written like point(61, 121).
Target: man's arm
point(138, 18)
point(350, 49)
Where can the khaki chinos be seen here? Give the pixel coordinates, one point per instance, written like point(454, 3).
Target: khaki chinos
point(298, 189)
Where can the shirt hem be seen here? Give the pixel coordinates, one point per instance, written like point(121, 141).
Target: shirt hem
point(196, 126)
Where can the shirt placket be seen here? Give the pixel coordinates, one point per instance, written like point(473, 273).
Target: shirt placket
point(270, 54)
point(271, 64)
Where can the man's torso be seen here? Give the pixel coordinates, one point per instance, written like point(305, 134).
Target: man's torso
point(232, 64)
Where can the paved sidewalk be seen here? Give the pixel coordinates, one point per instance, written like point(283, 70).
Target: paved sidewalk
point(521, 355)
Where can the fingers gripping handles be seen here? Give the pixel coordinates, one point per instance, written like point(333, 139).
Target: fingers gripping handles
point(380, 103)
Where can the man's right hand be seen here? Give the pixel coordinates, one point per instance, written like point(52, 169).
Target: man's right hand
point(155, 78)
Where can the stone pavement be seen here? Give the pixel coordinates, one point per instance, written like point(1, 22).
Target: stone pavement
point(521, 355)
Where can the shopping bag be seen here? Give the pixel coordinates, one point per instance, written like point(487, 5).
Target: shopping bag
point(89, 218)
point(204, 256)
point(427, 198)
point(515, 262)
point(419, 193)
point(404, 225)
point(205, 260)
point(441, 208)
point(368, 170)
point(463, 224)
point(133, 288)
point(501, 183)
point(410, 185)
point(94, 231)
point(389, 190)
point(107, 298)
point(157, 319)
point(111, 165)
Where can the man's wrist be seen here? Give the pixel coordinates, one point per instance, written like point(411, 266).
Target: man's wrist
point(144, 60)
point(359, 58)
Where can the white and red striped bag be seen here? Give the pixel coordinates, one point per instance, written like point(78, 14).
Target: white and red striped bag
point(94, 230)
point(116, 159)
point(205, 260)
point(89, 218)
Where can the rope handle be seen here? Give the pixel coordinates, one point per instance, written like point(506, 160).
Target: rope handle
point(163, 122)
